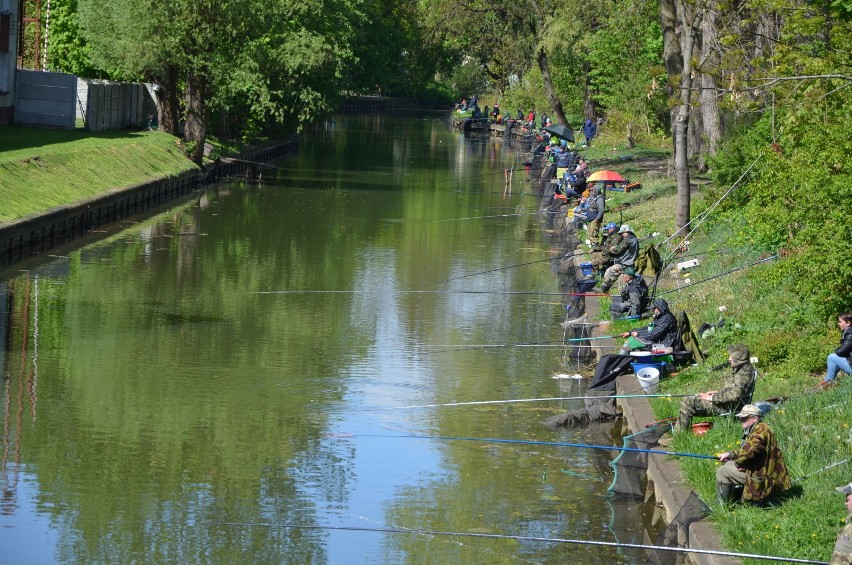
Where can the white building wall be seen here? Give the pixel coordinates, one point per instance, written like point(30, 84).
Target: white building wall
point(8, 56)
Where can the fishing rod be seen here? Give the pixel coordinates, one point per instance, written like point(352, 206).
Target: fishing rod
point(501, 292)
point(487, 217)
point(532, 442)
point(503, 268)
point(702, 217)
point(480, 402)
point(721, 274)
point(521, 538)
point(461, 347)
point(539, 344)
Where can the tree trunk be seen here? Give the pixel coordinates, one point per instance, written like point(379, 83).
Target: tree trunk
point(671, 54)
point(195, 132)
point(710, 112)
point(167, 101)
point(695, 144)
point(631, 141)
point(589, 107)
point(689, 33)
point(555, 103)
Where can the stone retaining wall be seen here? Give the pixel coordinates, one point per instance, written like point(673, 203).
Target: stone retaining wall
point(670, 487)
point(40, 232)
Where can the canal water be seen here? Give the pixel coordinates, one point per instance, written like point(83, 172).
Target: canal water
point(251, 376)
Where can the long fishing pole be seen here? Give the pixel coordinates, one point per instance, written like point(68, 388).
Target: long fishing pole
point(462, 347)
point(721, 275)
point(491, 216)
point(501, 292)
point(539, 344)
point(700, 218)
point(533, 442)
point(503, 268)
point(480, 402)
point(521, 538)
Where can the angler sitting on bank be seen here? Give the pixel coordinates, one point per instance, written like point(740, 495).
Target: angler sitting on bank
point(662, 330)
point(757, 465)
point(601, 260)
point(634, 296)
point(736, 391)
point(623, 255)
point(594, 212)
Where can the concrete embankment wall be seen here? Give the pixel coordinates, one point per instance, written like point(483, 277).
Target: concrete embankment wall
point(664, 474)
point(40, 232)
point(670, 487)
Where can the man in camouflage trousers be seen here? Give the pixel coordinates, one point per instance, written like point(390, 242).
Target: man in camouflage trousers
point(600, 252)
point(714, 402)
point(843, 546)
point(757, 465)
point(623, 255)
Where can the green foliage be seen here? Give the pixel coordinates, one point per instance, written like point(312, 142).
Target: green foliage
point(68, 52)
point(469, 79)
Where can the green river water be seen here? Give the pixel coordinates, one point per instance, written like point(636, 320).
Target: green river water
point(185, 390)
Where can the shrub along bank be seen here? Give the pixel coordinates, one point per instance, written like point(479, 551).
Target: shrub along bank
point(764, 311)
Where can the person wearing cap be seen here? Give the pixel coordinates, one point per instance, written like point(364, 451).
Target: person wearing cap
point(600, 252)
point(757, 465)
point(735, 391)
point(623, 255)
point(634, 296)
point(843, 546)
point(662, 330)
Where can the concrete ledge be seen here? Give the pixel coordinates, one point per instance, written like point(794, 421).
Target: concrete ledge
point(704, 535)
point(670, 487)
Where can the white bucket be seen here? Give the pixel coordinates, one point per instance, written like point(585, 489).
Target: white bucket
point(649, 378)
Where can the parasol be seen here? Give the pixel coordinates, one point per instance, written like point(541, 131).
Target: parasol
point(562, 132)
point(605, 176)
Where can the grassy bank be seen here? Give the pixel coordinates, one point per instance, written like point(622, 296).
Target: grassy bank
point(759, 309)
point(41, 169)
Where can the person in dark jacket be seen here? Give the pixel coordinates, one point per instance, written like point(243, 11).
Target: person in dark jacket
point(734, 392)
point(841, 359)
point(589, 130)
point(663, 329)
point(634, 296)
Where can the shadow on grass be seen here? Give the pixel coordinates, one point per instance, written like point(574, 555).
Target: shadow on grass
point(778, 499)
point(21, 138)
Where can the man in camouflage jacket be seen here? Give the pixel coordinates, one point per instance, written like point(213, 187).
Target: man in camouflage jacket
point(623, 255)
point(757, 465)
point(843, 546)
point(734, 392)
point(600, 252)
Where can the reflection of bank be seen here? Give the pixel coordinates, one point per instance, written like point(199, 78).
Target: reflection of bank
point(19, 384)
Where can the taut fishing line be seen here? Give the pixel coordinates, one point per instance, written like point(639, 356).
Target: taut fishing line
point(700, 218)
point(479, 402)
point(525, 538)
point(720, 275)
point(531, 442)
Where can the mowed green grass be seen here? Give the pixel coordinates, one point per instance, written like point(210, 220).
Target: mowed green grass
point(41, 169)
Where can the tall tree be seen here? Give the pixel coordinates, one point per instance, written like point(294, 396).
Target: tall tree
point(681, 25)
point(275, 62)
